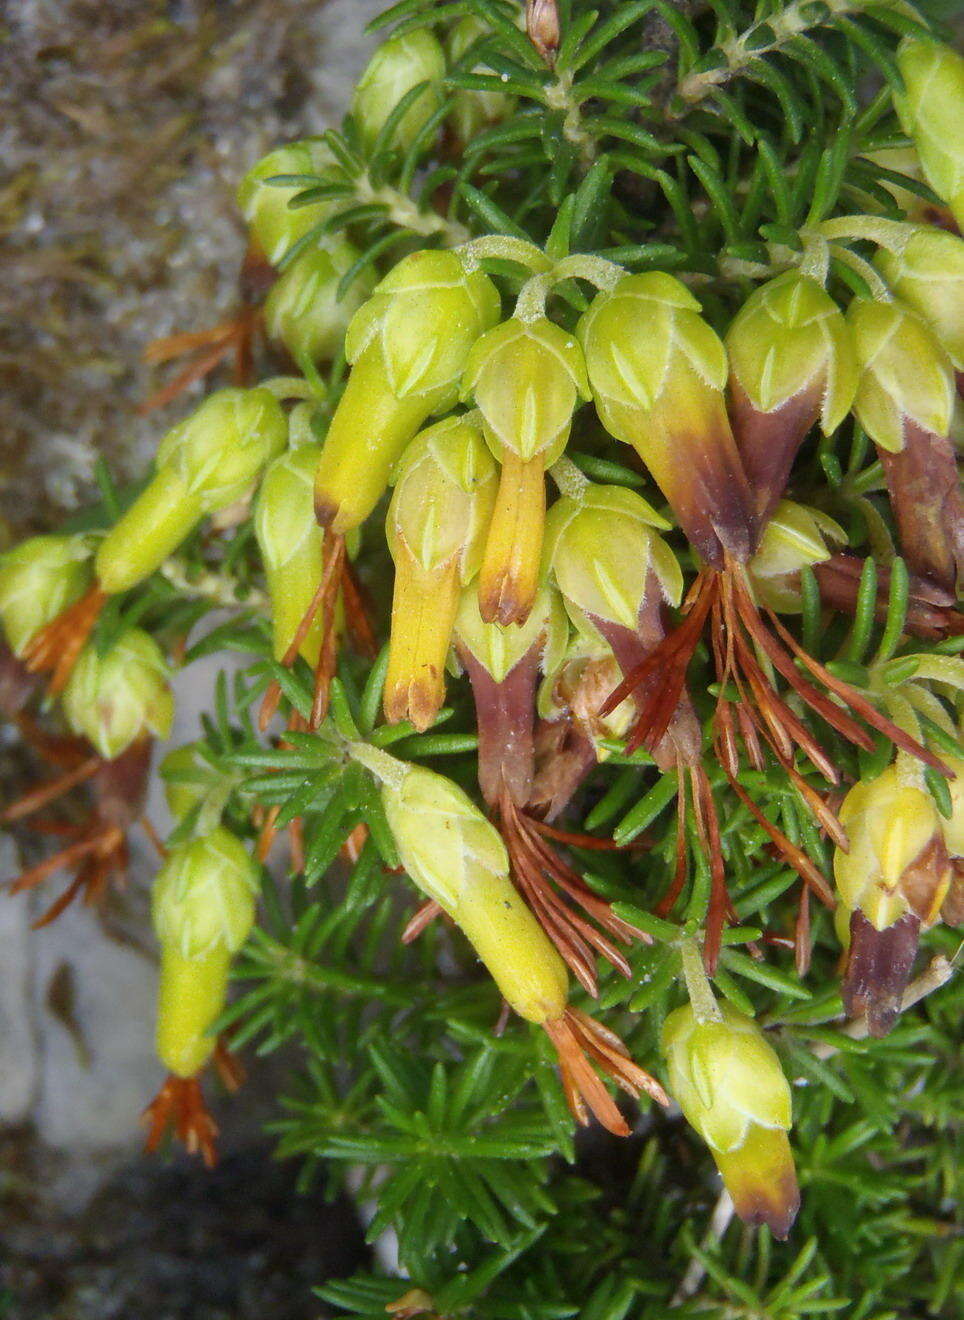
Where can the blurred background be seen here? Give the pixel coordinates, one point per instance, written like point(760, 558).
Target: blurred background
point(125, 126)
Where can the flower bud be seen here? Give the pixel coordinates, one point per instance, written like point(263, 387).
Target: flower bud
point(602, 552)
point(657, 372)
point(729, 1084)
point(904, 373)
point(399, 65)
point(303, 309)
point(222, 447)
point(39, 578)
point(928, 275)
point(795, 537)
point(114, 699)
point(408, 345)
point(473, 111)
point(527, 378)
point(932, 111)
point(458, 859)
point(503, 664)
point(893, 881)
point(275, 226)
point(896, 863)
point(905, 403)
point(792, 361)
point(435, 527)
point(290, 542)
point(204, 895)
point(204, 464)
point(203, 906)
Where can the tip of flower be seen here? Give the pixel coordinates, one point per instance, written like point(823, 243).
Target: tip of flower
point(762, 1180)
point(326, 510)
point(418, 700)
point(505, 599)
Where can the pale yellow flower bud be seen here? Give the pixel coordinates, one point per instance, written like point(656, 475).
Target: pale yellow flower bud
point(932, 113)
point(728, 1082)
point(39, 578)
point(928, 275)
point(795, 537)
point(275, 226)
point(303, 309)
point(205, 463)
point(114, 699)
point(397, 67)
point(905, 374)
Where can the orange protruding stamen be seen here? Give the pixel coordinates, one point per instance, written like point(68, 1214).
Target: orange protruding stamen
point(580, 1041)
point(219, 342)
point(180, 1105)
point(55, 648)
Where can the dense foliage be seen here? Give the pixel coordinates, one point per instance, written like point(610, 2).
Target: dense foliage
point(724, 143)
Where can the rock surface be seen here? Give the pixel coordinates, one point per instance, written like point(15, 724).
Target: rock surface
point(124, 128)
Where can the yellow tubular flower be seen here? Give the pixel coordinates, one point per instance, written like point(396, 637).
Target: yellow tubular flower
point(932, 112)
point(436, 525)
point(658, 372)
point(203, 906)
point(205, 463)
point(728, 1082)
point(457, 858)
point(527, 378)
point(408, 345)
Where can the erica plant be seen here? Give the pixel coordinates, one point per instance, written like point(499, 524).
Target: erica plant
point(585, 508)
